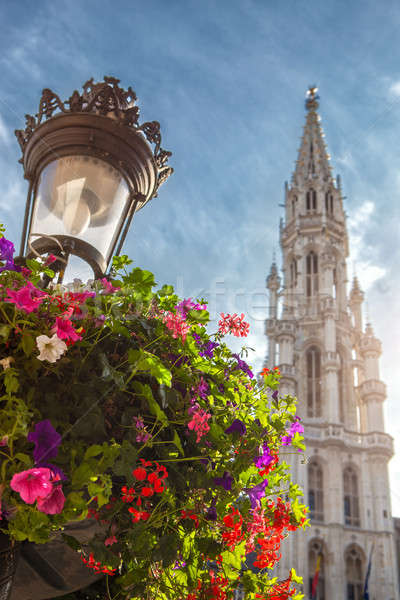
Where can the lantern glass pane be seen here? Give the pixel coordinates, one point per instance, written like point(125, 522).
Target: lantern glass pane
point(83, 197)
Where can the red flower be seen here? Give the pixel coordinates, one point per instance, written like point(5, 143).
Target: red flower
point(138, 514)
point(147, 492)
point(128, 495)
point(233, 324)
point(140, 474)
point(188, 515)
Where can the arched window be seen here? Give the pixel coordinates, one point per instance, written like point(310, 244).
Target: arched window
point(316, 561)
point(294, 200)
point(311, 200)
point(354, 578)
point(350, 498)
point(313, 365)
point(315, 491)
point(312, 274)
point(293, 273)
point(329, 203)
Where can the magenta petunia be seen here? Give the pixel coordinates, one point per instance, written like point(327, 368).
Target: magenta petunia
point(53, 503)
point(32, 484)
point(65, 330)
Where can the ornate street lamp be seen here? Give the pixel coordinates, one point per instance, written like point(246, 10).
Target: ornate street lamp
point(90, 167)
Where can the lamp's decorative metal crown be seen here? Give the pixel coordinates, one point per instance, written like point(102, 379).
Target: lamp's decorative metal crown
point(106, 98)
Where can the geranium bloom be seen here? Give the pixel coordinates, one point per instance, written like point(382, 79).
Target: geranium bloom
point(54, 502)
point(138, 515)
point(65, 331)
point(32, 484)
point(46, 440)
point(110, 540)
point(233, 324)
point(140, 474)
point(51, 349)
point(199, 423)
point(176, 324)
point(97, 566)
point(108, 287)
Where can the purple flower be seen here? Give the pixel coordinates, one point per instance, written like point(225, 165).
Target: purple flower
point(6, 250)
point(46, 440)
point(202, 389)
point(185, 306)
point(211, 514)
point(275, 395)
point(237, 427)
point(256, 493)
point(55, 469)
point(225, 481)
point(264, 459)
point(295, 427)
point(243, 366)
point(206, 348)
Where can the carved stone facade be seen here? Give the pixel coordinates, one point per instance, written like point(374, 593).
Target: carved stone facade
point(331, 363)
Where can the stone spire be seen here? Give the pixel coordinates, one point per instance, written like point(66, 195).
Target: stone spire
point(313, 159)
point(356, 298)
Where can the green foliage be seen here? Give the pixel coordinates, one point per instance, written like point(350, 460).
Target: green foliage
point(126, 393)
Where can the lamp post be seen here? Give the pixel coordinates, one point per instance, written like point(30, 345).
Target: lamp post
point(90, 167)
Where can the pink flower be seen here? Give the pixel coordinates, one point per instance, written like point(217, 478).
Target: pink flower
point(32, 484)
point(108, 287)
point(27, 298)
point(65, 331)
point(176, 324)
point(110, 540)
point(199, 423)
point(233, 324)
point(53, 503)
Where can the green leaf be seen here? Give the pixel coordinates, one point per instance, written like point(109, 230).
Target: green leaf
point(94, 450)
point(119, 262)
point(178, 443)
point(155, 409)
point(5, 331)
point(11, 380)
point(81, 476)
point(27, 343)
point(145, 361)
point(24, 458)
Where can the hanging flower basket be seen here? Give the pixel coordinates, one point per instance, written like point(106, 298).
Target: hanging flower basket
point(119, 409)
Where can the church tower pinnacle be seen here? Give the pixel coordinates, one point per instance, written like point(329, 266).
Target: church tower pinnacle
point(326, 358)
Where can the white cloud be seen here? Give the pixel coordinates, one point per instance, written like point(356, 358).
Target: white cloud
point(394, 89)
point(4, 132)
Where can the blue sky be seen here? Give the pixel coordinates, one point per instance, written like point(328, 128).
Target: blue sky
point(226, 79)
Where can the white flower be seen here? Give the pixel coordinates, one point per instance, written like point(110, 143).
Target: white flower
point(5, 362)
point(50, 348)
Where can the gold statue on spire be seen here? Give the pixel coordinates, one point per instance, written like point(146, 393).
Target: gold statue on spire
point(312, 98)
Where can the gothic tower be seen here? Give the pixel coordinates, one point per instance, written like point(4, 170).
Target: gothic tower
point(331, 363)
